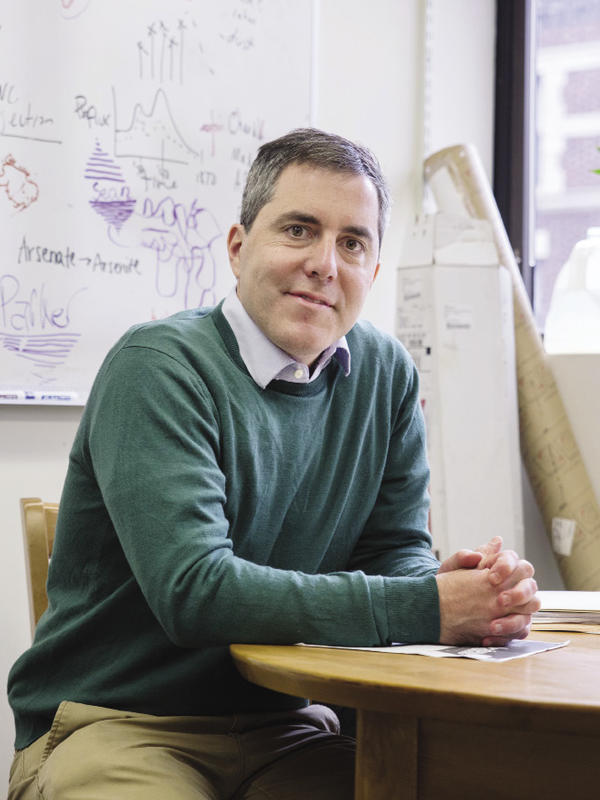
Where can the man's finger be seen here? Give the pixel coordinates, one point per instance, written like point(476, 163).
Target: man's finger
point(489, 550)
point(509, 569)
point(463, 559)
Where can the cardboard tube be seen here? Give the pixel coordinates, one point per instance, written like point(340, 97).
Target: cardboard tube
point(558, 476)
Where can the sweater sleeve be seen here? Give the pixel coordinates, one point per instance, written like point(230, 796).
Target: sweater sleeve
point(153, 445)
point(396, 540)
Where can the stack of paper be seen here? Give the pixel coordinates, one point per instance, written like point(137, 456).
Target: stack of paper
point(568, 611)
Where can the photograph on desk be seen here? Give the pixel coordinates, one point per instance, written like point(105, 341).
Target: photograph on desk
point(517, 648)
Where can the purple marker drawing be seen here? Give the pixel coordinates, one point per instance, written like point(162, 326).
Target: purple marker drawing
point(48, 350)
point(112, 200)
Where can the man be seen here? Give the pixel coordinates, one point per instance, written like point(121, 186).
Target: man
point(254, 472)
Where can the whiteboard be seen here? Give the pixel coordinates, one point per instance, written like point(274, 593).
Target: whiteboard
point(126, 133)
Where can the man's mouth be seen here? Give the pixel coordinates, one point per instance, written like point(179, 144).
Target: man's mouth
point(311, 298)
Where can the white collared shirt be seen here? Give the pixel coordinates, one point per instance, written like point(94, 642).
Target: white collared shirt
point(264, 360)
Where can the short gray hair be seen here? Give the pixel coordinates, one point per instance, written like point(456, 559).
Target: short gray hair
point(315, 148)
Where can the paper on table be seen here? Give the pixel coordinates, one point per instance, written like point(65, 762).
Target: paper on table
point(565, 627)
point(571, 601)
point(517, 648)
point(570, 610)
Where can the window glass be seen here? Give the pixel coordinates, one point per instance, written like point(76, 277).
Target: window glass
point(567, 114)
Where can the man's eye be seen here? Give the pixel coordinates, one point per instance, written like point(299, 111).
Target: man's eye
point(296, 231)
point(354, 245)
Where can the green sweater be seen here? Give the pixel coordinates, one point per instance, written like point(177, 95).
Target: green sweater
point(199, 510)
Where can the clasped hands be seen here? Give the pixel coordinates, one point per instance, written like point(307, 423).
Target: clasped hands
point(487, 596)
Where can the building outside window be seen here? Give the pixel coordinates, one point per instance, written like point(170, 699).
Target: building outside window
point(566, 191)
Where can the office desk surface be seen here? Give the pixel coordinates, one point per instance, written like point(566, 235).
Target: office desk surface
point(451, 726)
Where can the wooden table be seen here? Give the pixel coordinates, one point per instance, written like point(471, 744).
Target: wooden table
point(455, 728)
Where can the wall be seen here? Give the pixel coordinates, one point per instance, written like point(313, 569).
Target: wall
point(369, 88)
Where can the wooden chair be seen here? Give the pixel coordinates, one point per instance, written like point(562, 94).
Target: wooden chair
point(39, 521)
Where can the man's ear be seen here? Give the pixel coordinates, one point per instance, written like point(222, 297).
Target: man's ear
point(376, 273)
point(235, 239)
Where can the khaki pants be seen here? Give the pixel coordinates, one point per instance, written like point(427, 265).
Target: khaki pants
point(94, 753)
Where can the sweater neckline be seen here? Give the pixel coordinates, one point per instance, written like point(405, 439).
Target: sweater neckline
point(281, 387)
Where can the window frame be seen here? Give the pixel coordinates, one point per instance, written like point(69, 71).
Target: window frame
point(514, 130)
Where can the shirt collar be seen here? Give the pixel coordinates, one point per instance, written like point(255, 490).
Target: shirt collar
point(264, 360)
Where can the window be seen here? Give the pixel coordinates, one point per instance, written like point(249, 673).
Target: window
point(547, 133)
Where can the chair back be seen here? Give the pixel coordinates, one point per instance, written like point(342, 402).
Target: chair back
point(39, 521)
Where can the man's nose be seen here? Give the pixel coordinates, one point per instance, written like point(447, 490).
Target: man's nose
point(322, 260)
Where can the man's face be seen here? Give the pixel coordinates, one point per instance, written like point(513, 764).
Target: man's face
point(305, 267)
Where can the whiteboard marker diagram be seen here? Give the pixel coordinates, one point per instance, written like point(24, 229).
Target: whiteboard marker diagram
point(121, 166)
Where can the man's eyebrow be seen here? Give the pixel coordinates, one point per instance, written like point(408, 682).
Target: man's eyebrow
point(359, 232)
point(296, 216)
point(301, 216)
